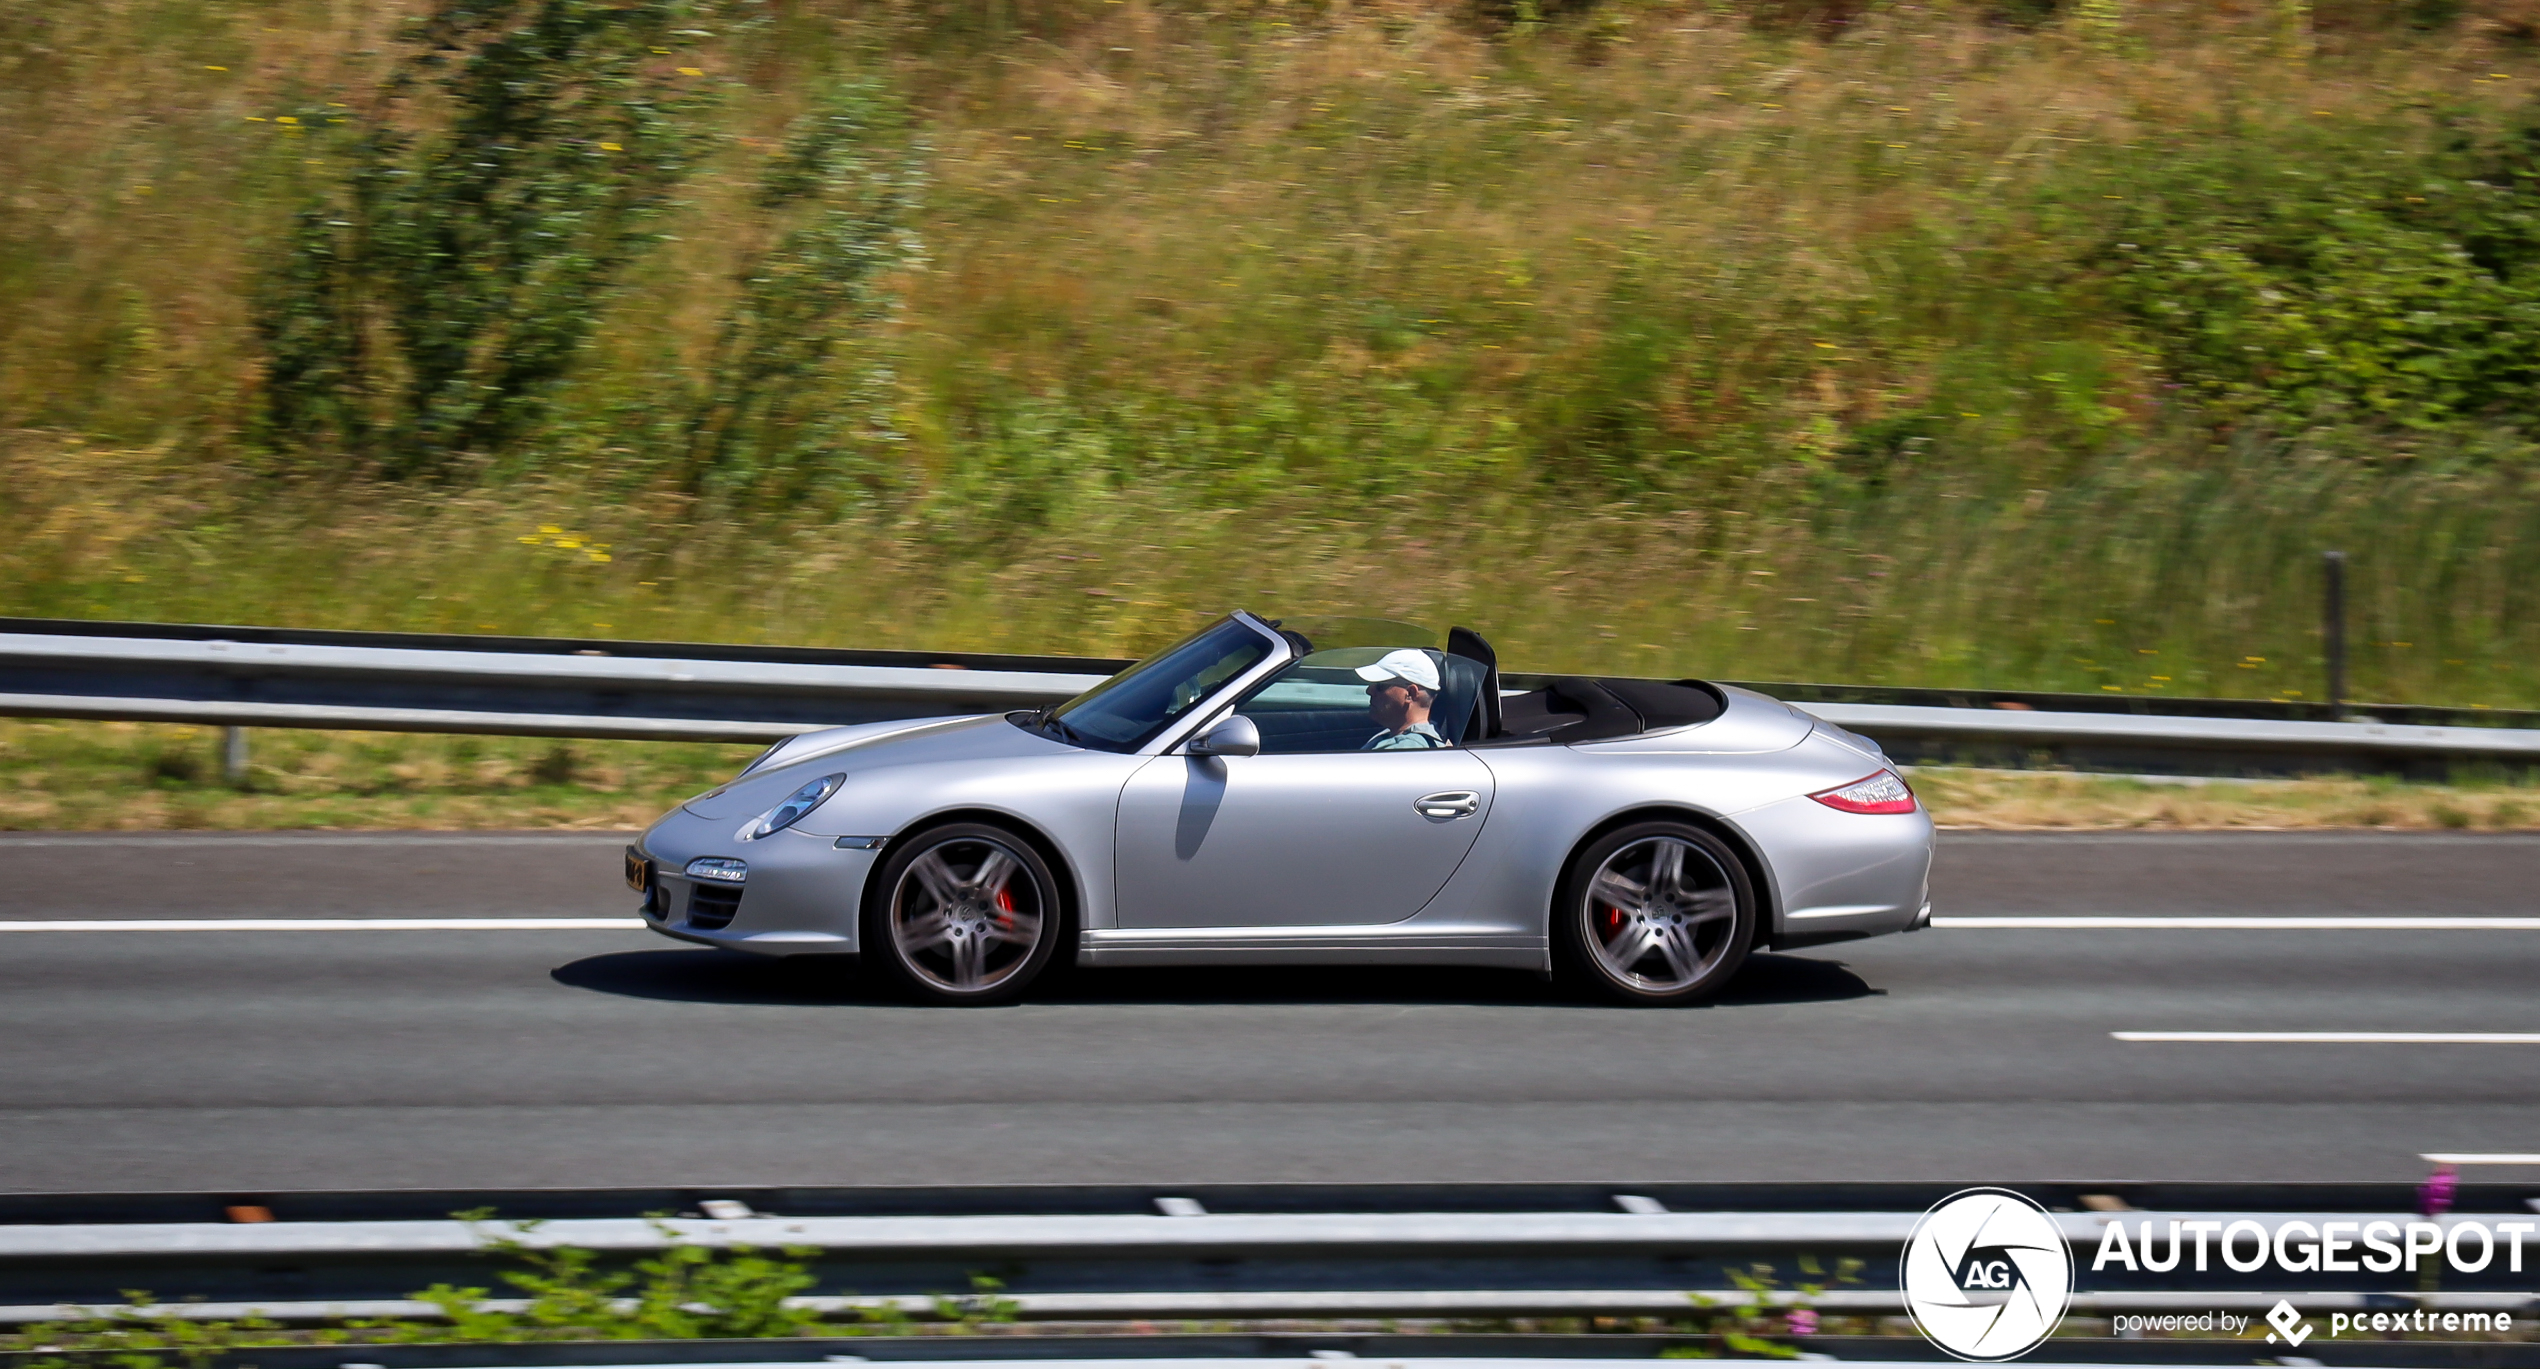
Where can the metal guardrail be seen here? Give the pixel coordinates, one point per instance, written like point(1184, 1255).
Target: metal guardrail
point(2104, 741)
point(1493, 1304)
point(403, 689)
point(1312, 1235)
point(263, 677)
point(1487, 1243)
point(301, 1207)
point(1108, 1253)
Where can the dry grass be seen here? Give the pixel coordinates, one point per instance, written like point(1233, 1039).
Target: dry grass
point(2012, 801)
point(90, 776)
point(2138, 582)
point(1583, 337)
point(1427, 239)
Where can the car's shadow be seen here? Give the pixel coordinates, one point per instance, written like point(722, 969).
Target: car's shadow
point(712, 976)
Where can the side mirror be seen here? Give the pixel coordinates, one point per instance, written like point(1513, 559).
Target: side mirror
point(1235, 736)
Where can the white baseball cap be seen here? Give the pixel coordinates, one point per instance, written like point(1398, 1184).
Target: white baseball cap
point(1407, 664)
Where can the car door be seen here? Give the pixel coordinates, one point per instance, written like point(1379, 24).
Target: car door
point(1315, 840)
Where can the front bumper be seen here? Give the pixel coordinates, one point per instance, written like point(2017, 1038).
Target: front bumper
point(802, 895)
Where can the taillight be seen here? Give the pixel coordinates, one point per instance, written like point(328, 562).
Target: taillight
point(1884, 792)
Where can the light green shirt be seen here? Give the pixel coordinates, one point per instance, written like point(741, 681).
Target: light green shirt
point(1416, 737)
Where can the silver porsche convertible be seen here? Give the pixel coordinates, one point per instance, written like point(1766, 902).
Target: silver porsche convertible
point(1252, 794)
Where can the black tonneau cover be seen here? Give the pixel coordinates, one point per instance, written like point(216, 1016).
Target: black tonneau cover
point(1576, 708)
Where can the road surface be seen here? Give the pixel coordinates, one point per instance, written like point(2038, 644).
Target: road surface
point(252, 1060)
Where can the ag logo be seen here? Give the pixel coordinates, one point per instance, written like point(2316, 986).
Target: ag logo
point(1986, 1274)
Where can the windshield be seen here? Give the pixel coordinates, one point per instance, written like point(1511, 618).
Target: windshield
point(1332, 701)
point(1126, 711)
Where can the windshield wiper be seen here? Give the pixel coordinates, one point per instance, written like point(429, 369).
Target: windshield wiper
point(1051, 724)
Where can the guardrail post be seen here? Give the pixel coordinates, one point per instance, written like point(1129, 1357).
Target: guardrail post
point(2333, 628)
point(233, 755)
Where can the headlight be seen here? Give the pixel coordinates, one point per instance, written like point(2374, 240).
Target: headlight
point(793, 809)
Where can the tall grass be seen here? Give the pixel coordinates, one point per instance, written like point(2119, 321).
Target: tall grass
point(1644, 338)
point(2137, 576)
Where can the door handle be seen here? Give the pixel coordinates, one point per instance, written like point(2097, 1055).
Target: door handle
point(1453, 803)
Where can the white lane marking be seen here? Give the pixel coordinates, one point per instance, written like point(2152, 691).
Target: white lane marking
point(2247, 924)
point(336, 924)
point(2345, 1038)
point(2449, 1157)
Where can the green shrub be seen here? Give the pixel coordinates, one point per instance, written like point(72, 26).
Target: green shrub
point(2387, 274)
point(557, 766)
point(428, 308)
point(685, 1292)
point(842, 190)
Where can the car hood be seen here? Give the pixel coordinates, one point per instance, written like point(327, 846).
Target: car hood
point(871, 747)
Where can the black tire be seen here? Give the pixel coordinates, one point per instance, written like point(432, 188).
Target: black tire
point(965, 914)
point(1680, 945)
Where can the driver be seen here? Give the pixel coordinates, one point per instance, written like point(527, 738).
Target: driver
point(1401, 688)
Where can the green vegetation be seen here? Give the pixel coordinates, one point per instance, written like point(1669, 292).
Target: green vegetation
point(426, 309)
point(554, 1293)
point(686, 1292)
point(2005, 344)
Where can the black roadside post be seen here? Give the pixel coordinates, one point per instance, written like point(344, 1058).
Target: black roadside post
point(2333, 628)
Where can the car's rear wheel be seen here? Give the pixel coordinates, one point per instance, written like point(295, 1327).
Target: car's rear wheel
point(967, 914)
point(1654, 913)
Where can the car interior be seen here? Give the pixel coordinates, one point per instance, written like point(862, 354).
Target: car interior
point(1319, 704)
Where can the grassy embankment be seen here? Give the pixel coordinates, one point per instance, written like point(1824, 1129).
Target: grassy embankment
point(1644, 339)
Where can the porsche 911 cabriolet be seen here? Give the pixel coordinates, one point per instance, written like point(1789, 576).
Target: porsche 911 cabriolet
point(1249, 796)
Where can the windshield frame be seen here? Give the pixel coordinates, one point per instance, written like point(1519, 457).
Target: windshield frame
point(1280, 651)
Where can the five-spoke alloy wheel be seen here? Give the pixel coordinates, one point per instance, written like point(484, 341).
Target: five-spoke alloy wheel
point(966, 913)
point(1656, 912)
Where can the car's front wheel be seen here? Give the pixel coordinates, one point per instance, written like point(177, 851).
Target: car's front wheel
point(966, 914)
point(1655, 913)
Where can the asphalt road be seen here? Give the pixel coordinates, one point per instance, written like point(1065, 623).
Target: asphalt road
point(242, 1061)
